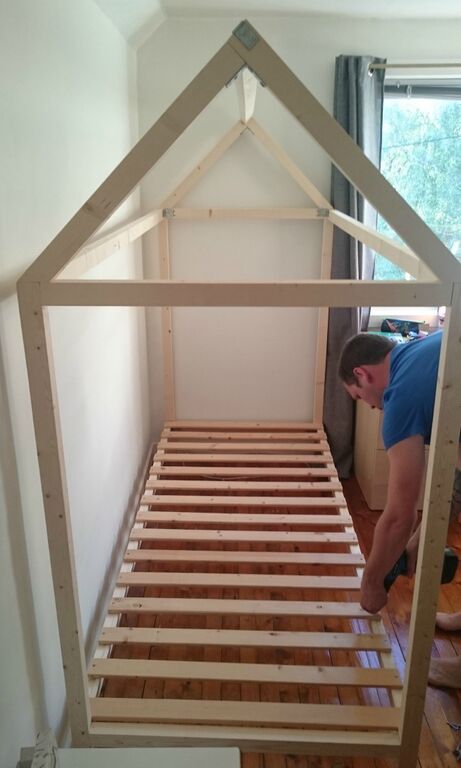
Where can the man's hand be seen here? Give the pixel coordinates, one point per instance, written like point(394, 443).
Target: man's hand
point(372, 597)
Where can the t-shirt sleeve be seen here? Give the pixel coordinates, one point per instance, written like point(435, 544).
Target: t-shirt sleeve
point(401, 420)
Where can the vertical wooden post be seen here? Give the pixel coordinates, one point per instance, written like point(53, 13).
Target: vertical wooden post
point(437, 497)
point(37, 342)
point(322, 328)
point(167, 325)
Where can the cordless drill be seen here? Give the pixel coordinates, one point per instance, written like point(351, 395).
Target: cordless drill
point(450, 564)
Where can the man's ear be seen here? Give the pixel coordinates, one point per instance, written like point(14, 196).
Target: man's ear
point(362, 374)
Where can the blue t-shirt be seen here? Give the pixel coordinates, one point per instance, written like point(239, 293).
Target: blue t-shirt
point(408, 400)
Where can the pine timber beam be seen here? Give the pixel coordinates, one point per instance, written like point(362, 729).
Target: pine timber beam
point(243, 213)
point(99, 249)
point(288, 165)
point(400, 255)
point(169, 389)
point(343, 151)
point(45, 411)
point(322, 324)
point(436, 513)
point(301, 741)
point(302, 293)
point(247, 86)
point(204, 166)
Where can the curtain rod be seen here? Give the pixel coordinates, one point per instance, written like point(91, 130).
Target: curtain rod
point(424, 65)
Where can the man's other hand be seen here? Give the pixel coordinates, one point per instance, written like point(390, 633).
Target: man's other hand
point(372, 598)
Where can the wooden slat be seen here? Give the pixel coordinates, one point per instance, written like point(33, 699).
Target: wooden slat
point(244, 458)
point(155, 579)
point(186, 434)
point(255, 739)
point(314, 447)
point(266, 713)
point(247, 425)
point(288, 673)
point(244, 471)
point(228, 518)
point(245, 638)
point(243, 556)
point(242, 501)
point(279, 537)
point(245, 485)
point(307, 609)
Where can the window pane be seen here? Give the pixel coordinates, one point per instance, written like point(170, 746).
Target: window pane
point(421, 157)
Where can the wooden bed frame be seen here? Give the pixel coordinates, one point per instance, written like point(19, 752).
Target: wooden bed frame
point(393, 731)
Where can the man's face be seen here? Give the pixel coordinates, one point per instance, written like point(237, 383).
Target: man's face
point(366, 390)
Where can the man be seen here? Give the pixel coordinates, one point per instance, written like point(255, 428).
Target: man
point(401, 380)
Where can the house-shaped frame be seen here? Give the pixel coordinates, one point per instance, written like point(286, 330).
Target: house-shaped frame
point(438, 281)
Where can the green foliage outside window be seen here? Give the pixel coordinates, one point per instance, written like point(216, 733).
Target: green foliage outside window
point(421, 157)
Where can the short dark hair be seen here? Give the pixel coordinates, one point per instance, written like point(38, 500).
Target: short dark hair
point(362, 349)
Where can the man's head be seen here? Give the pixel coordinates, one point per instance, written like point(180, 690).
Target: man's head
point(364, 367)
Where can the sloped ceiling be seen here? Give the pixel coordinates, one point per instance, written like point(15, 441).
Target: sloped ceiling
point(137, 19)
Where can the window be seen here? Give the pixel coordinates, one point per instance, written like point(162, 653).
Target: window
point(421, 157)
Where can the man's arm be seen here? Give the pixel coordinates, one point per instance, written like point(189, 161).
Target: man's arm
point(395, 526)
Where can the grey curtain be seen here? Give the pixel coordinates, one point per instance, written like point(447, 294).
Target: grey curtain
point(358, 107)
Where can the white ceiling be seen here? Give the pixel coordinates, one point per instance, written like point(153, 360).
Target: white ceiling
point(137, 19)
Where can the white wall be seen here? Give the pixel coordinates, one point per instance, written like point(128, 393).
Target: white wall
point(68, 101)
point(223, 369)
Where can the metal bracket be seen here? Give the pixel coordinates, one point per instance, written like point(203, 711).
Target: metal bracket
point(246, 34)
point(323, 213)
point(234, 77)
point(168, 213)
point(245, 66)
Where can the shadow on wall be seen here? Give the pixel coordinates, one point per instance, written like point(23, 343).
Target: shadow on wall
point(114, 565)
point(19, 559)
